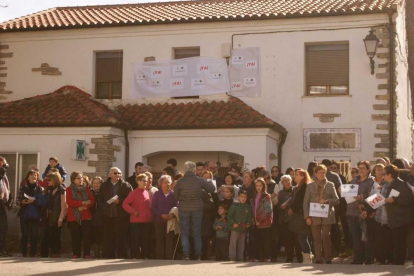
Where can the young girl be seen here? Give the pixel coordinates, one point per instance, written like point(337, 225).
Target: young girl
point(262, 219)
point(228, 192)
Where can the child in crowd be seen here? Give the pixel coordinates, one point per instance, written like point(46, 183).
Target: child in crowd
point(228, 196)
point(54, 163)
point(239, 219)
point(222, 234)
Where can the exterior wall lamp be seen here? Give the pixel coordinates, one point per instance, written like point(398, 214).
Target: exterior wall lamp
point(371, 43)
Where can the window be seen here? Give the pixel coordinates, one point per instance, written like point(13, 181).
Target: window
point(187, 52)
point(108, 75)
point(19, 165)
point(327, 69)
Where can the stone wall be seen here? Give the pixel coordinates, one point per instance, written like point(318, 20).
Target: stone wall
point(105, 151)
point(382, 118)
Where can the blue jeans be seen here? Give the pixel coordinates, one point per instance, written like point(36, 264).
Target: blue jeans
point(191, 219)
point(356, 234)
point(304, 243)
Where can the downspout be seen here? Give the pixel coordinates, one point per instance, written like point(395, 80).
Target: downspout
point(279, 150)
point(391, 87)
point(126, 152)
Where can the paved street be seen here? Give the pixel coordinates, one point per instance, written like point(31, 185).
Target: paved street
point(51, 267)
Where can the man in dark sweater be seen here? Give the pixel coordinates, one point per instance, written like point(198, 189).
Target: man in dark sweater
point(115, 218)
point(133, 178)
point(189, 194)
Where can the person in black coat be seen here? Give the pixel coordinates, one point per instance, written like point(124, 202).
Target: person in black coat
point(399, 212)
point(97, 222)
point(115, 218)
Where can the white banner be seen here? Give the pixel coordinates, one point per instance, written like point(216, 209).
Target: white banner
point(319, 210)
point(180, 77)
point(244, 72)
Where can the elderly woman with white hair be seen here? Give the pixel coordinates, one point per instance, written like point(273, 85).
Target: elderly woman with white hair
point(162, 203)
point(286, 239)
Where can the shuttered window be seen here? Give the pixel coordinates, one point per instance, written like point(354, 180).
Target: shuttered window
point(327, 69)
point(108, 75)
point(186, 52)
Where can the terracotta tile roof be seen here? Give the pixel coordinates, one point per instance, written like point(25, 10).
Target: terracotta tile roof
point(67, 106)
point(70, 106)
point(233, 113)
point(188, 11)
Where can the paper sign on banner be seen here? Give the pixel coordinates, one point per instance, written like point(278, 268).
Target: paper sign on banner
point(203, 68)
point(319, 210)
point(237, 60)
point(236, 86)
point(197, 83)
point(176, 83)
point(29, 197)
point(348, 190)
point(180, 70)
point(394, 193)
point(249, 82)
point(157, 73)
point(251, 64)
point(111, 200)
point(375, 201)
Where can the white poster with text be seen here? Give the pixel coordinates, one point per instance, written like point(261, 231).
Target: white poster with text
point(244, 72)
point(180, 77)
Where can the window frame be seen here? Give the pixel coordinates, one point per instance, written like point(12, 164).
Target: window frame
point(328, 87)
point(110, 93)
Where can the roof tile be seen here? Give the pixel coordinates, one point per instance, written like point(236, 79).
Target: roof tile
point(187, 11)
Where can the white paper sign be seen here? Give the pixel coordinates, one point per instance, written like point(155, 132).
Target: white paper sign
point(244, 72)
point(394, 193)
point(411, 187)
point(29, 197)
point(111, 200)
point(350, 199)
point(375, 201)
point(349, 190)
point(319, 210)
point(180, 78)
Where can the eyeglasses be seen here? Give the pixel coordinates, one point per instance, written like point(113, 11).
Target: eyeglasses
point(115, 173)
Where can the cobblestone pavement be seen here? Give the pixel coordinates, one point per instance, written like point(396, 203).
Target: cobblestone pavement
point(68, 267)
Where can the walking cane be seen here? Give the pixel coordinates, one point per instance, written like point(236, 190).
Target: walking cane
point(178, 240)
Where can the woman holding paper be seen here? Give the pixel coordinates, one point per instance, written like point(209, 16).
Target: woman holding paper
point(30, 200)
point(321, 193)
point(80, 200)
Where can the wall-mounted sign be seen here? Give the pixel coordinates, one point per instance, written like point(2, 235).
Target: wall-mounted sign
point(332, 139)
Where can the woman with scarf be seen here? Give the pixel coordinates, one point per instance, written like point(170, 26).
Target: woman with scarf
point(80, 200)
point(323, 192)
point(30, 200)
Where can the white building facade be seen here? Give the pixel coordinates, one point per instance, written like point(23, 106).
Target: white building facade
point(348, 121)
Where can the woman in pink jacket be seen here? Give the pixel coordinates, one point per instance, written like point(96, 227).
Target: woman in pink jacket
point(137, 204)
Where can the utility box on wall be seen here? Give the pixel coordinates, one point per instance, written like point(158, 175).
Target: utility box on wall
point(78, 150)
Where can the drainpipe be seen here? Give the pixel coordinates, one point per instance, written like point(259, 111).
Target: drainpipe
point(126, 152)
point(391, 83)
point(279, 150)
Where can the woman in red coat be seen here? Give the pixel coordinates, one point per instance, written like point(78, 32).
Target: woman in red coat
point(79, 199)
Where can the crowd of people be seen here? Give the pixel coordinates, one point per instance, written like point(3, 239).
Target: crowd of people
point(254, 215)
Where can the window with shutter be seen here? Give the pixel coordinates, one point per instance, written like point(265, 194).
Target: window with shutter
point(186, 52)
point(327, 69)
point(108, 74)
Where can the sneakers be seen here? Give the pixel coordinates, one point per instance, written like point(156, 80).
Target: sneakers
point(4, 254)
point(186, 257)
